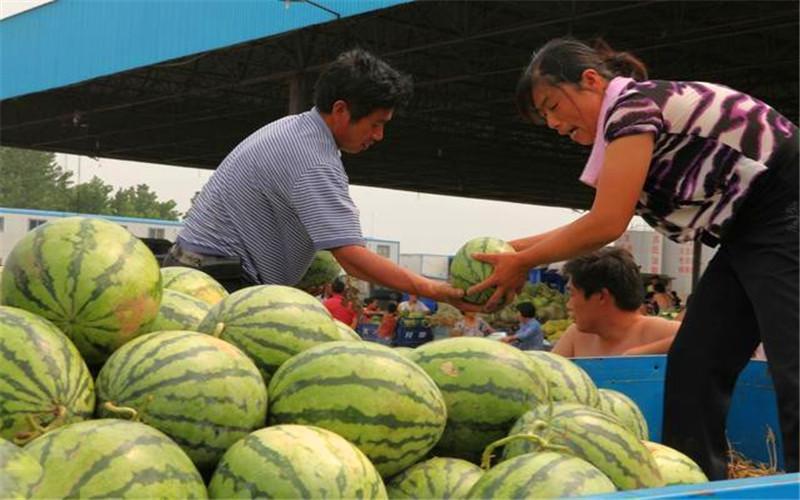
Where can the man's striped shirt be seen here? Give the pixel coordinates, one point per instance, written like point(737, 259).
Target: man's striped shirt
point(278, 197)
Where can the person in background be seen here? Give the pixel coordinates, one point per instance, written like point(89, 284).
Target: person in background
point(471, 325)
point(605, 294)
point(413, 304)
point(662, 298)
point(676, 300)
point(388, 323)
point(371, 309)
point(529, 335)
point(339, 306)
point(698, 161)
point(282, 194)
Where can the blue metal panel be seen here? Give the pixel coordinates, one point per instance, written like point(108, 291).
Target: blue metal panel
point(753, 407)
point(783, 486)
point(69, 41)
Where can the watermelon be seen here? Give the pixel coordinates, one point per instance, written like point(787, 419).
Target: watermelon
point(179, 311)
point(587, 433)
point(19, 471)
point(44, 382)
point(96, 281)
point(404, 351)
point(368, 394)
point(625, 409)
point(271, 323)
point(345, 332)
point(323, 269)
point(566, 381)
point(675, 467)
point(295, 461)
point(194, 283)
point(487, 385)
point(466, 271)
point(435, 478)
point(113, 458)
point(202, 392)
point(545, 474)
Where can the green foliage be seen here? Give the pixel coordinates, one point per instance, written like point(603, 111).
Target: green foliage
point(33, 179)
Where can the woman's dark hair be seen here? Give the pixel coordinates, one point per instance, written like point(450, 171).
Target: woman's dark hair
point(659, 288)
point(338, 286)
point(611, 268)
point(563, 60)
point(364, 82)
point(392, 307)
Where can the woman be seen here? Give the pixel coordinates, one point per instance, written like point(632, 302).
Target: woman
point(697, 161)
point(471, 326)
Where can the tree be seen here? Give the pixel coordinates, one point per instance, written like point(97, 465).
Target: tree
point(33, 179)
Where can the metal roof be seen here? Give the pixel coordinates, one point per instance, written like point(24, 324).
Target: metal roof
point(461, 134)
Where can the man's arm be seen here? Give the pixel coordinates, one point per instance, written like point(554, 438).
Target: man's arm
point(566, 344)
point(369, 266)
point(660, 337)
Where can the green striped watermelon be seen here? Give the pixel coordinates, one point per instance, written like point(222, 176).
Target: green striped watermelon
point(96, 281)
point(486, 384)
point(542, 475)
point(345, 332)
point(295, 461)
point(44, 382)
point(675, 467)
point(368, 394)
point(466, 271)
point(435, 478)
point(19, 471)
point(193, 282)
point(405, 351)
point(323, 269)
point(271, 323)
point(179, 311)
point(590, 434)
point(202, 392)
point(566, 381)
point(113, 458)
point(626, 410)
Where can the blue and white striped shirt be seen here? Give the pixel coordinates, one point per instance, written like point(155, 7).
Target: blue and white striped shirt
point(278, 197)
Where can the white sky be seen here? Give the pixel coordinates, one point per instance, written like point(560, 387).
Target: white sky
point(422, 223)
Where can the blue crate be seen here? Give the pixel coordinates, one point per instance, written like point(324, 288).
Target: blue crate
point(753, 410)
point(412, 332)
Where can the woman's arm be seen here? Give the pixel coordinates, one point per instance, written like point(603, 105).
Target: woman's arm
point(618, 190)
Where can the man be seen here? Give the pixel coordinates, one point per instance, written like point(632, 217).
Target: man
point(529, 336)
point(282, 193)
point(412, 305)
point(339, 307)
point(605, 290)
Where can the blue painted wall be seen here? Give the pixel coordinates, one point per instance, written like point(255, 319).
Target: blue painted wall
point(69, 41)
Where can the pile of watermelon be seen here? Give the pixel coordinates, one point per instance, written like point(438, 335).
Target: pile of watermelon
point(120, 379)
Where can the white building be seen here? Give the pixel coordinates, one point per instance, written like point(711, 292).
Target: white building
point(15, 222)
point(429, 265)
point(659, 255)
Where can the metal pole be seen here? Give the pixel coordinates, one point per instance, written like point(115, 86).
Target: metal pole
point(697, 260)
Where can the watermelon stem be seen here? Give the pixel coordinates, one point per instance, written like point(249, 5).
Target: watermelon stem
point(125, 412)
point(218, 329)
point(486, 459)
point(37, 429)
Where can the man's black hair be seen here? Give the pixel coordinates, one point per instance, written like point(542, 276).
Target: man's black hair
point(364, 82)
point(526, 309)
point(611, 268)
point(338, 286)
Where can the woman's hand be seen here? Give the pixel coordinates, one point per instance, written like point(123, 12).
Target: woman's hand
point(509, 275)
point(443, 292)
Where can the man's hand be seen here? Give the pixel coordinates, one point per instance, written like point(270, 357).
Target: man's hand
point(509, 276)
point(443, 292)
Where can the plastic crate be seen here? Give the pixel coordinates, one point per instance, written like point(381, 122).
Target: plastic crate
point(753, 410)
point(412, 332)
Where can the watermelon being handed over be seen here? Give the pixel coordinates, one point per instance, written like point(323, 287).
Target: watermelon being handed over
point(112, 458)
point(466, 271)
point(44, 382)
point(96, 281)
point(368, 394)
point(295, 461)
